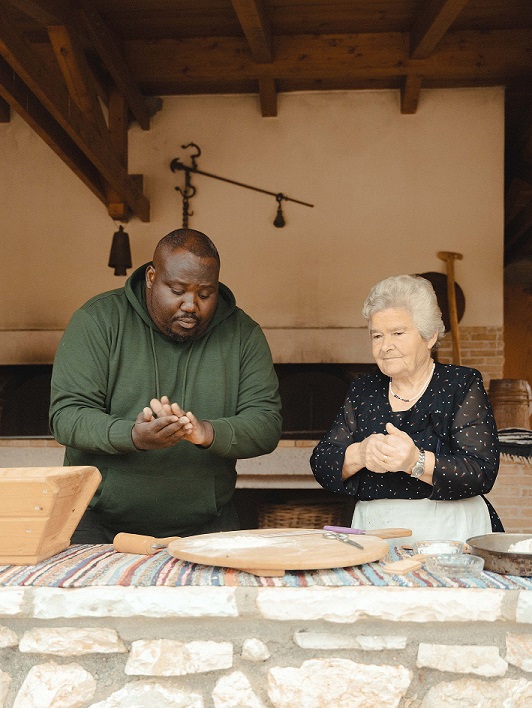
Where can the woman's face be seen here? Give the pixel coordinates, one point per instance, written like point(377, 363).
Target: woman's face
point(398, 348)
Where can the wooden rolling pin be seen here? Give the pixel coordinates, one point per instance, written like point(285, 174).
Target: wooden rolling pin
point(142, 545)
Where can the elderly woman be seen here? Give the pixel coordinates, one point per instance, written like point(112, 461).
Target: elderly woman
point(415, 443)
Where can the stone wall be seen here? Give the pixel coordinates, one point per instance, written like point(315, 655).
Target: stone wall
point(198, 647)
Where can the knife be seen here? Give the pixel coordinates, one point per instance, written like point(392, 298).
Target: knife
point(381, 533)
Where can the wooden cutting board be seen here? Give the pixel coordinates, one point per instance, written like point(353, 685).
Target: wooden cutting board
point(270, 552)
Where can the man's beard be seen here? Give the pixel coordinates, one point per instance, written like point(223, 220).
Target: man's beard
point(183, 338)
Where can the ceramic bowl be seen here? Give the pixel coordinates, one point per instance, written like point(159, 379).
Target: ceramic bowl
point(456, 565)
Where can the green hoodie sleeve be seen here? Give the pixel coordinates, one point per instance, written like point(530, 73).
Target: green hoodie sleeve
point(256, 427)
point(79, 391)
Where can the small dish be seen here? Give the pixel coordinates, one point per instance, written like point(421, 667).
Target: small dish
point(434, 548)
point(456, 565)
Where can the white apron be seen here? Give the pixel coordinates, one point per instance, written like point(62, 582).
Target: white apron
point(429, 520)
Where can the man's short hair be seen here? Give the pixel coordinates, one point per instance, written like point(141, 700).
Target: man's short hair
point(194, 241)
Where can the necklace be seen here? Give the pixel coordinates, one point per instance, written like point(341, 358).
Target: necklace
point(407, 400)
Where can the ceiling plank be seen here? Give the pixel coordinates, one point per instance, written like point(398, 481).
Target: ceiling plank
point(268, 98)
point(15, 92)
point(410, 94)
point(463, 58)
point(255, 26)
point(46, 12)
point(433, 22)
point(55, 99)
point(111, 55)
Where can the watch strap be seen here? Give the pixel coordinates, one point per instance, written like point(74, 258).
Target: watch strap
point(419, 468)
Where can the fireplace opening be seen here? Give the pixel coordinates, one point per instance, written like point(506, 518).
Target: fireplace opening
point(311, 396)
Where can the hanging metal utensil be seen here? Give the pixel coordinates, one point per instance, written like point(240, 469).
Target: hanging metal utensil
point(190, 191)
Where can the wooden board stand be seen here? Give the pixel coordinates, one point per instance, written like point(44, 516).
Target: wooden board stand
point(40, 508)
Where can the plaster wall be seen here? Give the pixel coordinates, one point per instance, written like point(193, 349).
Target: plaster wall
point(389, 192)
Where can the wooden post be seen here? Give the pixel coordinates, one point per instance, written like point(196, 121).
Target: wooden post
point(449, 257)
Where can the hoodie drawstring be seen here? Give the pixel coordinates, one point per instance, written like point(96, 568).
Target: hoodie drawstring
point(156, 366)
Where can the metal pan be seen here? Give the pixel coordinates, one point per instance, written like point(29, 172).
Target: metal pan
point(493, 547)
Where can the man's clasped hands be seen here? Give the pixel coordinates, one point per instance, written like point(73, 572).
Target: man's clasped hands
point(163, 424)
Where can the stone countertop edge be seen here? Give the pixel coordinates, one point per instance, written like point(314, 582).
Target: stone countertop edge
point(333, 604)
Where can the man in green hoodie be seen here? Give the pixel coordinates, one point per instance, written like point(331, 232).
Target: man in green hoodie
point(162, 385)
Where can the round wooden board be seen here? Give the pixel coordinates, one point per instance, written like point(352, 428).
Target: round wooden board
point(277, 550)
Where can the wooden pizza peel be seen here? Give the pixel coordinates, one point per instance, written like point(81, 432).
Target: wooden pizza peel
point(271, 552)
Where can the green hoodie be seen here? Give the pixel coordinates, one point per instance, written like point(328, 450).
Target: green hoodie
point(112, 360)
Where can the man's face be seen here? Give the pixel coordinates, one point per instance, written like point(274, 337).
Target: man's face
point(182, 293)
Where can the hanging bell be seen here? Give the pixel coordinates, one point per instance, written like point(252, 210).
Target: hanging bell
point(120, 256)
point(279, 219)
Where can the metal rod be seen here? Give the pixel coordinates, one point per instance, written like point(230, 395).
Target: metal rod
point(176, 164)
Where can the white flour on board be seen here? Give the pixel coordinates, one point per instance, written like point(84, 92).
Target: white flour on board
point(213, 546)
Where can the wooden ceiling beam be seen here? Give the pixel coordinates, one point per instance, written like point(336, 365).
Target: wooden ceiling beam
point(118, 125)
point(5, 111)
point(463, 58)
point(111, 55)
point(410, 94)
point(15, 92)
point(256, 28)
point(433, 22)
point(268, 98)
point(46, 12)
point(97, 148)
point(76, 73)
point(81, 87)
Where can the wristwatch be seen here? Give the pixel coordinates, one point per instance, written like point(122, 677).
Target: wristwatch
point(419, 468)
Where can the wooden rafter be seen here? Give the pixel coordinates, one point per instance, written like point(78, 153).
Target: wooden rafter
point(268, 98)
point(113, 59)
point(24, 102)
point(5, 111)
point(118, 135)
point(73, 64)
point(410, 94)
point(255, 26)
point(463, 58)
point(97, 147)
point(46, 12)
point(433, 22)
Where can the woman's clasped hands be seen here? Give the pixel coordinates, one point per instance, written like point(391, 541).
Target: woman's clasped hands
point(393, 451)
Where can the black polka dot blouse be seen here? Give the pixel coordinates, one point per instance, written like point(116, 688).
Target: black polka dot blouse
point(453, 419)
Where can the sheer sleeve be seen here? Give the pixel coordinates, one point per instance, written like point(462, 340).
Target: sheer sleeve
point(327, 458)
point(468, 464)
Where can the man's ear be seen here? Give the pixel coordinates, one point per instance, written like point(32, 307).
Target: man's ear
point(150, 272)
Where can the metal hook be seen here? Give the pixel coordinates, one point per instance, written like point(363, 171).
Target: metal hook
point(194, 154)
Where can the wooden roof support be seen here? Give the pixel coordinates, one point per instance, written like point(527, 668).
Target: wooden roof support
point(255, 26)
point(97, 147)
point(118, 122)
point(23, 101)
point(463, 59)
point(410, 94)
point(268, 98)
point(113, 59)
point(77, 75)
point(5, 112)
point(435, 19)
point(47, 12)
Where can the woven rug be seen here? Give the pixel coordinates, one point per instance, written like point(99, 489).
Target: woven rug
point(86, 566)
point(516, 444)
